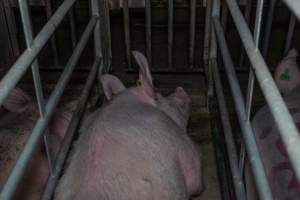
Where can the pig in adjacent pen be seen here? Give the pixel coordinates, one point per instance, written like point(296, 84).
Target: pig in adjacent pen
point(282, 179)
point(16, 125)
point(134, 147)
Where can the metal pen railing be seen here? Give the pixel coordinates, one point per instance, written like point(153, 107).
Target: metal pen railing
point(29, 57)
point(259, 69)
point(170, 43)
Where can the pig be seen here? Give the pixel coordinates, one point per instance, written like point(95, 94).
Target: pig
point(134, 147)
point(16, 124)
point(281, 176)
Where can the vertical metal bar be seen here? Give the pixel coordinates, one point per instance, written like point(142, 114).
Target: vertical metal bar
point(247, 14)
point(257, 30)
point(73, 26)
point(282, 117)
point(253, 153)
point(193, 8)
point(148, 31)
point(126, 18)
point(268, 28)
point(97, 32)
point(229, 139)
point(170, 32)
point(20, 166)
point(224, 18)
point(27, 26)
point(290, 34)
point(207, 48)
point(66, 144)
point(53, 38)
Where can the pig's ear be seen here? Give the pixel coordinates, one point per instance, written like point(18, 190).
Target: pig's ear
point(145, 77)
point(18, 101)
point(287, 74)
point(111, 85)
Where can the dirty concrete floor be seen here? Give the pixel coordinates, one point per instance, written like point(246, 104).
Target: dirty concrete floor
point(210, 178)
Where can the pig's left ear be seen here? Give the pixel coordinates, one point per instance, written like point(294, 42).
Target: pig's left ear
point(111, 85)
point(145, 78)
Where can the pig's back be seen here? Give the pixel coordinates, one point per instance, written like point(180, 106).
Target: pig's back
point(124, 147)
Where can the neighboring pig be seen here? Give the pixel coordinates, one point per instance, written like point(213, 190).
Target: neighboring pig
point(15, 128)
point(282, 179)
point(134, 147)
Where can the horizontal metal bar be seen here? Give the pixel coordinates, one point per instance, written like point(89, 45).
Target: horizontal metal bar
point(230, 144)
point(247, 132)
point(66, 144)
point(294, 5)
point(20, 166)
point(15, 73)
point(282, 117)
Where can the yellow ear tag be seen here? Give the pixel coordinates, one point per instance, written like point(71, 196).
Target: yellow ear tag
point(140, 81)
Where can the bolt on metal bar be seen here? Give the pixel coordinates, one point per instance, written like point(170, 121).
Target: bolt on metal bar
point(27, 27)
point(148, 31)
point(247, 14)
point(193, 8)
point(294, 6)
point(282, 117)
point(15, 73)
point(229, 139)
point(290, 34)
point(170, 32)
point(268, 28)
point(73, 26)
point(76, 118)
point(247, 132)
point(53, 38)
point(126, 18)
point(20, 166)
point(251, 80)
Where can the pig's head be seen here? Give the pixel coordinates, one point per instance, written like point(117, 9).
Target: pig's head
point(176, 105)
point(18, 101)
point(287, 74)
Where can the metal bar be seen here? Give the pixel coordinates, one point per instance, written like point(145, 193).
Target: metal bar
point(224, 17)
point(27, 26)
point(294, 6)
point(15, 73)
point(247, 14)
point(126, 22)
point(170, 32)
point(282, 117)
point(247, 132)
point(73, 26)
point(290, 34)
point(105, 33)
point(148, 31)
point(251, 80)
point(66, 144)
point(207, 49)
point(193, 8)
point(230, 144)
point(97, 32)
point(224, 180)
point(268, 28)
point(20, 166)
point(53, 38)
point(49, 152)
